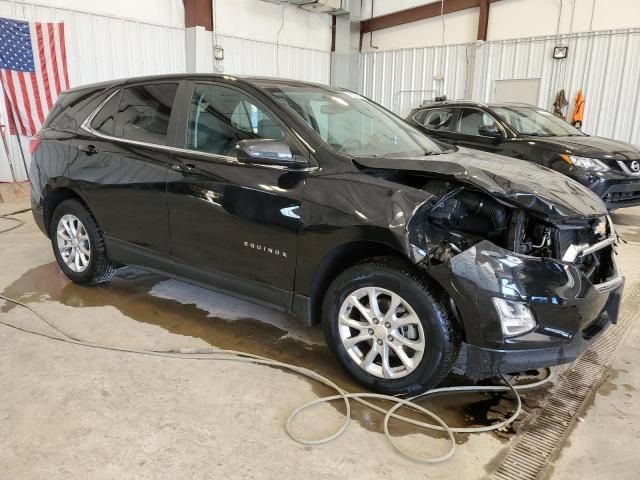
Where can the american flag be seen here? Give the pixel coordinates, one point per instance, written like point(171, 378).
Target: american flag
point(33, 71)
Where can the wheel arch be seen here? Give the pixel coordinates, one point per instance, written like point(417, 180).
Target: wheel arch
point(56, 195)
point(339, 259)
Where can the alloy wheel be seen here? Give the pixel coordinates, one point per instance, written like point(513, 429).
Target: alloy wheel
point(73, 243)
point(381, 332)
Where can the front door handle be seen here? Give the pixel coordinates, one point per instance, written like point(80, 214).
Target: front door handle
point(88, 149)
point(187, 169)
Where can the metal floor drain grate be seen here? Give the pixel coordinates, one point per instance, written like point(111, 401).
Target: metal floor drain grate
point(540, 441)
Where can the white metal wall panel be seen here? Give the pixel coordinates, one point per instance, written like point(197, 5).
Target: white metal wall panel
point(606, 65)
point(401, 79)
point(250, 57)
point(100, 48)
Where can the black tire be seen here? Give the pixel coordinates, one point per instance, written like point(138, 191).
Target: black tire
point(441, 336)
point(99, 268)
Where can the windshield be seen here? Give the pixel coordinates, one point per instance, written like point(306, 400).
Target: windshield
point(536, 122)
point(353, 125)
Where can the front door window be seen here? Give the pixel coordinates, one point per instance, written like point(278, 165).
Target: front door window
point(219, 117)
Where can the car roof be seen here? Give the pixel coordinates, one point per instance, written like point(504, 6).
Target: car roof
point(471, 103)
point(254, 80)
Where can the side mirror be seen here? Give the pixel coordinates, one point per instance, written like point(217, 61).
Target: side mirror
point(264, 151)
point(491, 131)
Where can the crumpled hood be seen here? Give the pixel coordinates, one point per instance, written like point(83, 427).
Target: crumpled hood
point(592, 147)
point(519, 183)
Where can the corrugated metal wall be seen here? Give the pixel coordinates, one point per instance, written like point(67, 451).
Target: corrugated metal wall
point(402, 79)
point(100, 48)
point(251, 57)
point(606, 65)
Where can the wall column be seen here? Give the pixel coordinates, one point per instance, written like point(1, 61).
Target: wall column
point(198, 20)
point(199, 50)
point(345, 55)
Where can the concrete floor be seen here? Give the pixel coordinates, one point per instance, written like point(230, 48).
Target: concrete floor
point(72, 412)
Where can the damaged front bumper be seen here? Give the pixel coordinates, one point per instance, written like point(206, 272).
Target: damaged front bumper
point(569, 310)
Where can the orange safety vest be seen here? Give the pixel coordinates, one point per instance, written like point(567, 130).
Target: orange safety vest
point(578, 114)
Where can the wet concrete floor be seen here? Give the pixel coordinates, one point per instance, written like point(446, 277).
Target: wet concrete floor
point(627, 224)
point(130, 291)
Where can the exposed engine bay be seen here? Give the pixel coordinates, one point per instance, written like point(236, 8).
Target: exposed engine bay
point(463, 215)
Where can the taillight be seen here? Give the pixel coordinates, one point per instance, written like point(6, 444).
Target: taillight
point(34, 143)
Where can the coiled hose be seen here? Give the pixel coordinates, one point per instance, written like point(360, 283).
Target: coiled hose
point(215, 354)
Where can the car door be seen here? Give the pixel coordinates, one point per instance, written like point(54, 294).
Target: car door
point(121, 158)
point(233, 225)
point(466, 132)
point(436, 122)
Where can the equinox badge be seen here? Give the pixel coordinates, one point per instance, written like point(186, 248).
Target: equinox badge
point(269, 250)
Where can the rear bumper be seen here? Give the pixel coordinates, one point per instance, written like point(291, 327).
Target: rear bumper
point(570, 311)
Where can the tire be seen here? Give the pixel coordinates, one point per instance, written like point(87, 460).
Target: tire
point(392, 281)
point(93, 267)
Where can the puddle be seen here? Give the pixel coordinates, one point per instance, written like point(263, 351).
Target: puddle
point(130, 292)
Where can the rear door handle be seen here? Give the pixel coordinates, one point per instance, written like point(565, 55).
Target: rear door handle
point(187, 169)
point(88, 149)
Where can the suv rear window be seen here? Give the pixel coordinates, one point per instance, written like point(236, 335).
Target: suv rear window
point(144, 113)
point(437, 119)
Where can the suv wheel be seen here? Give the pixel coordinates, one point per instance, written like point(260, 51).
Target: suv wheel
point(388, 329)
point(78, 244)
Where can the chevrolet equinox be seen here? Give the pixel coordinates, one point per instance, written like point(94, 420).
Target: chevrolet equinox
point(416, 256)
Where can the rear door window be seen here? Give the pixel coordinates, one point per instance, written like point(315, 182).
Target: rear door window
point(144, 113)
point(438, 120)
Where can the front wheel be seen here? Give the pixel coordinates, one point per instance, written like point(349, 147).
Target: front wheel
point(388, 329)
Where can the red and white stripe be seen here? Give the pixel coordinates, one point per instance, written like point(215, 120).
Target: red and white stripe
point(32, 94)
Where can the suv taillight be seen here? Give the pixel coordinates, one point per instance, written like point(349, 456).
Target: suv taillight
point(34, 143)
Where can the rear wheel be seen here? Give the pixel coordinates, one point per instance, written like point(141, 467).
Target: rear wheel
point(78, 244)
point(388, 329)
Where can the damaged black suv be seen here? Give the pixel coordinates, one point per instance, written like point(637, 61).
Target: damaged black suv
point(416, 256)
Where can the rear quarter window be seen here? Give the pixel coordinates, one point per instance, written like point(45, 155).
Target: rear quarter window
point(70, 110)
point(105, 119)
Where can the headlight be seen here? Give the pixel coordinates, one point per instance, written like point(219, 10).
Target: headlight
point(592, 164)
point(516, 318)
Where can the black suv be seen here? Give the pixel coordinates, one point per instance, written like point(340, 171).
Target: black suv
point(608, 167)
point(318, 202)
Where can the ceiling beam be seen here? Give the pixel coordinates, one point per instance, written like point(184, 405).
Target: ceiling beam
point(483, 21)
point(198, 13)
point(418, 13)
